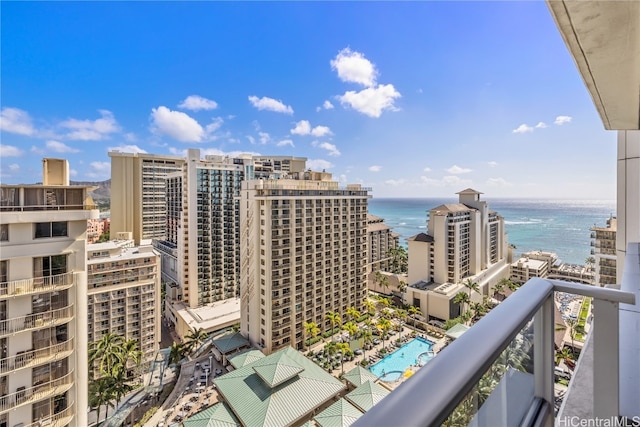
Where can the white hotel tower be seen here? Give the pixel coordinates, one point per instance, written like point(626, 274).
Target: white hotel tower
point(43, 300)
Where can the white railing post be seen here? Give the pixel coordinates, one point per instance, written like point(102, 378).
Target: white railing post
point(606, 371)
point(543, 353)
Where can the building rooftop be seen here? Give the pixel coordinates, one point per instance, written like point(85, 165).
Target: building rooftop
point(421, 237)
point(365, 396)
point(359, 375)
point(534, 264)
point(245, 358)
point(450, 207)
point(210, 317)
point(277, 390)
point(340, 414)
point(218, 415)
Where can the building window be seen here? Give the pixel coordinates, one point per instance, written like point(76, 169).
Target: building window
point(49, 265)
point(3, 271)
point(51, 229)
point(4, 232)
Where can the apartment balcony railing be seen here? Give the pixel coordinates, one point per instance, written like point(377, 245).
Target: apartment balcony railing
point(36, 321)
point(62, 418)
point(36, 357)
point(473, 381)
point(37, 285)
point(38, 392)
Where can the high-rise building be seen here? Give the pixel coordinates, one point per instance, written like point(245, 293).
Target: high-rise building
point(202, 246)
point(123, 283)
point(464, 240)
point(381, 240)
point(604, 252)
point(43, 297)
point(138, 193)
point(304, 253)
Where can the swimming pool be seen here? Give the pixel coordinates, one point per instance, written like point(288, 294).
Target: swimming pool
point(392, 367)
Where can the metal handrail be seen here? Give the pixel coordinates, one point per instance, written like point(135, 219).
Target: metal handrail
point(37, 284)
point(52, 420)
point(37, 356)
point(453, 373)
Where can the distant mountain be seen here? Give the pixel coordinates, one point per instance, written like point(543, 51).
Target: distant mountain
point(102, 193)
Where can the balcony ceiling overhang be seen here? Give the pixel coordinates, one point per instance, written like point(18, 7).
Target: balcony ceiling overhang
point(604, 39)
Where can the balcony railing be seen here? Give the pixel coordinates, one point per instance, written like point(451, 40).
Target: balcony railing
point(36, 321)
point(38, 392)
point(37, 285)
point(60, 419)
point(36, 357)
point(451, 385)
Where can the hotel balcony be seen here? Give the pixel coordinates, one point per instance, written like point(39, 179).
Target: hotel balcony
point(37, 285)
point(477, 379)
point(60, 419)
point(28, 396)
point(35, 321)
point(41, 356)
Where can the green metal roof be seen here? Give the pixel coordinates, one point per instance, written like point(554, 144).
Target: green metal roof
point(340, 414)
point(218, 415)
point(245, 358)
point(256, 403)
point(229, 341)
point(359, 375)
point(457, 330)
point(367, 395)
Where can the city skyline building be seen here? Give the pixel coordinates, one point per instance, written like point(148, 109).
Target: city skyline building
point(604, 252)
point(201, 252)
point(381, 240)
point(123, 293)
point(464, 241)
point(43, 297)
point(304, 254)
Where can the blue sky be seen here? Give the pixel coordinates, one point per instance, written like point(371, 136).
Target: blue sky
point(413, 99)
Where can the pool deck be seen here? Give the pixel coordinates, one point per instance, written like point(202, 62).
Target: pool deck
point(438, 344)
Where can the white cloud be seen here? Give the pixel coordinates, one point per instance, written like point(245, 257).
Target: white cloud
point(541, 125)
point(523, 128)
point(36, 150)
point(127, 149)
point(99, 170)
point(91, 130)
point(251, 139)
point(498, 182)
point(332, 149)
point(215, 124)
point(73, 172)
point(492, 164)
point(319, 164)
point(354, 67)
point(10, 151)
point(327, 105)
point(15, 120)
point(446, 181)
point(130, 137)
point(303, 127)
point(270, 104)
point(371, 101)
point(197, 103)
point(342, 178)
point(455, 169)
point(395, 182)
point(560, 120)
point(59, 147)
point(176, 125)
point(285, 142)
point(14, 167)
point(375, 168)
point(264, 137)
point(427, 169)
point(320, 131)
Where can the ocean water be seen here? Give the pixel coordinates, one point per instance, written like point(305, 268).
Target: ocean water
point(560, 226)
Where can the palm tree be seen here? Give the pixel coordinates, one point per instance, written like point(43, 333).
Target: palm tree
point(383, 325)
point(498, 290)
point(352, 329)
point(401, 314)
point(353, 313)
point(589, 262)
point(334, 318)
point(478, 309)
point(381, 280)
point(402, 286)
point(370, 306)
point(195, 338)
point(471, 286)
point(101, 392)
point(463, 300)
point(311, 329)
point(120, 387)
point(176, 353)
point(414, 311)
point(346, 351)
point(367, 338)
point(383, 303)
point(330, 349)
point(108, 351)
point(563, 354)
point(132, 353)
point(398, 259)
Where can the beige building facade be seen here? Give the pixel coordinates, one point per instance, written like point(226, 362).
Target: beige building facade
point(43, 314)
point(464, 240)
point(123, 293)
point(381, 239)
point(304, 254)
point(604, 252)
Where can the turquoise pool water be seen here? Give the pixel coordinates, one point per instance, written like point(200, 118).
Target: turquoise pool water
point(414, 352)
